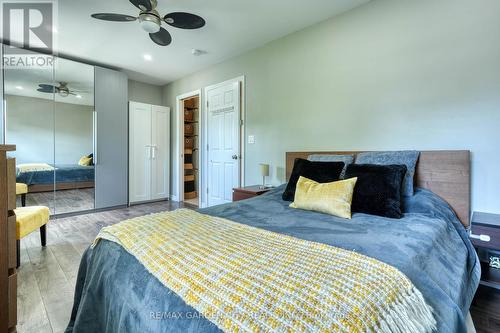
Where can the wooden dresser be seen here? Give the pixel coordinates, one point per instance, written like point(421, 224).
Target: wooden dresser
point(8, 274)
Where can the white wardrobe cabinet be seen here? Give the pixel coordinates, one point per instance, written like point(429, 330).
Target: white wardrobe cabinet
point(149, 152)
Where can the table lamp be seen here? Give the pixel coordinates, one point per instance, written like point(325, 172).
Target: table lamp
point(264, 172)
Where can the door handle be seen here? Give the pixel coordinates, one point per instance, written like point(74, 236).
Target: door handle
point(235, 157)
point(154, 151)
point(95, 156)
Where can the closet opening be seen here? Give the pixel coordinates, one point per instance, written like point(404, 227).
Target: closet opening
point(191, 151)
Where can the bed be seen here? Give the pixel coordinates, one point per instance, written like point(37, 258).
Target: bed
point(429, 245)
point(65, 177)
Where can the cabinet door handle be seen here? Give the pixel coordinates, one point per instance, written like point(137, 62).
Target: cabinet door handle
point(95, 156)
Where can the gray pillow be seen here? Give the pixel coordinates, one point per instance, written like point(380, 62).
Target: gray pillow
point(407, 157)
point(347, 159)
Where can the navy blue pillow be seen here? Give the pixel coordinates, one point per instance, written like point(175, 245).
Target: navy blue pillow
point(321, 172)
point(92, 159)
point(406, 157)
point(378, 189)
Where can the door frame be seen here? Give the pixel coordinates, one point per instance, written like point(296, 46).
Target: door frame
point(204, 155)
point(178, 160)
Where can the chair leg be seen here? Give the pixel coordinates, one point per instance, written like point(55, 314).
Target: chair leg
point(18, 250)
point(43, 234)
point(23, 200)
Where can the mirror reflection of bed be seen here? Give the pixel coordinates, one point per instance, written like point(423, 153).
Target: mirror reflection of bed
point(50, 118)
point(73, 184)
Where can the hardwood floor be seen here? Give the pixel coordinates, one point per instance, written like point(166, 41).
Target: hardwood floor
point(485, 310)
point(194, 202)
point(46, 278)
point(64, 201)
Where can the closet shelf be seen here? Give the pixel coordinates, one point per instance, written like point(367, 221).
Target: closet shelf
point(190, 195)
point(189, 151)
point(191, 136)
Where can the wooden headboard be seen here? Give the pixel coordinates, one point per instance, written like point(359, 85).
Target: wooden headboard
point(446, 173)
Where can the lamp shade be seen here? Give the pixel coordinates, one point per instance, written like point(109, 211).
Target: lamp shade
point(264, 170)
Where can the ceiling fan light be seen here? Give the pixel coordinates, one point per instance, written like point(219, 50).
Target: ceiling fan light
point(63, 93)
point(150, 27)
point(150, 23)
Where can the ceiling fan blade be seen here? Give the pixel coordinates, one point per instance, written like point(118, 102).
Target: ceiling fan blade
point(161, 37)
point(46, 88)
point(45, 91)
point(142, 4)
point(114, 17)
point(184, 20)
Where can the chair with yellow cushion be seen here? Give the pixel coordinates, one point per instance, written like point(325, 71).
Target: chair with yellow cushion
point(22, 189)
point(29, 219)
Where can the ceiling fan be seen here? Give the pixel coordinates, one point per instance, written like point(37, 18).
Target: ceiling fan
point(150, 20)
point(62, 89)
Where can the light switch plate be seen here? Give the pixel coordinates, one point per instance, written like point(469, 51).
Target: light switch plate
point(251, 139)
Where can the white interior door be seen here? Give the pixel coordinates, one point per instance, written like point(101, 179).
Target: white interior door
point(223, 135)
point(160, 145)
point(140, 152)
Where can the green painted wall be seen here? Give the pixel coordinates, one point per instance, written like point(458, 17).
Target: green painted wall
point(47, 132)
point(144, 92)
point(387, 75)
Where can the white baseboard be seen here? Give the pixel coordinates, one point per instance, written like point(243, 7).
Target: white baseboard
point(174, 198)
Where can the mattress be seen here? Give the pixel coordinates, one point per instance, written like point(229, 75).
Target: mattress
point(115, 293)
point(70, 173)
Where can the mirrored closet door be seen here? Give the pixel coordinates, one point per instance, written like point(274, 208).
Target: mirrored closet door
point(29, 124)
point(49, 116)
point(73, 136)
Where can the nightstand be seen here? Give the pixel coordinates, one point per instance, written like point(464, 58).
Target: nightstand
point(487, 251)
point(247, 192)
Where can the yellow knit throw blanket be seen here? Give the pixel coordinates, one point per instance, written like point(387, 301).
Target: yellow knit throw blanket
point(245, 279)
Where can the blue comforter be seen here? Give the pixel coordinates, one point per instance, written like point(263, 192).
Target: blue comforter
point(115, 293)
point(65, 173)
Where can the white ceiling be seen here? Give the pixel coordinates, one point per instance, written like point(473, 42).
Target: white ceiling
point(233, 27)
point(79, 77)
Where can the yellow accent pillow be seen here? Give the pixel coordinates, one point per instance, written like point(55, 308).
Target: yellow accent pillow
point(85, 161)
point(331, 198)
